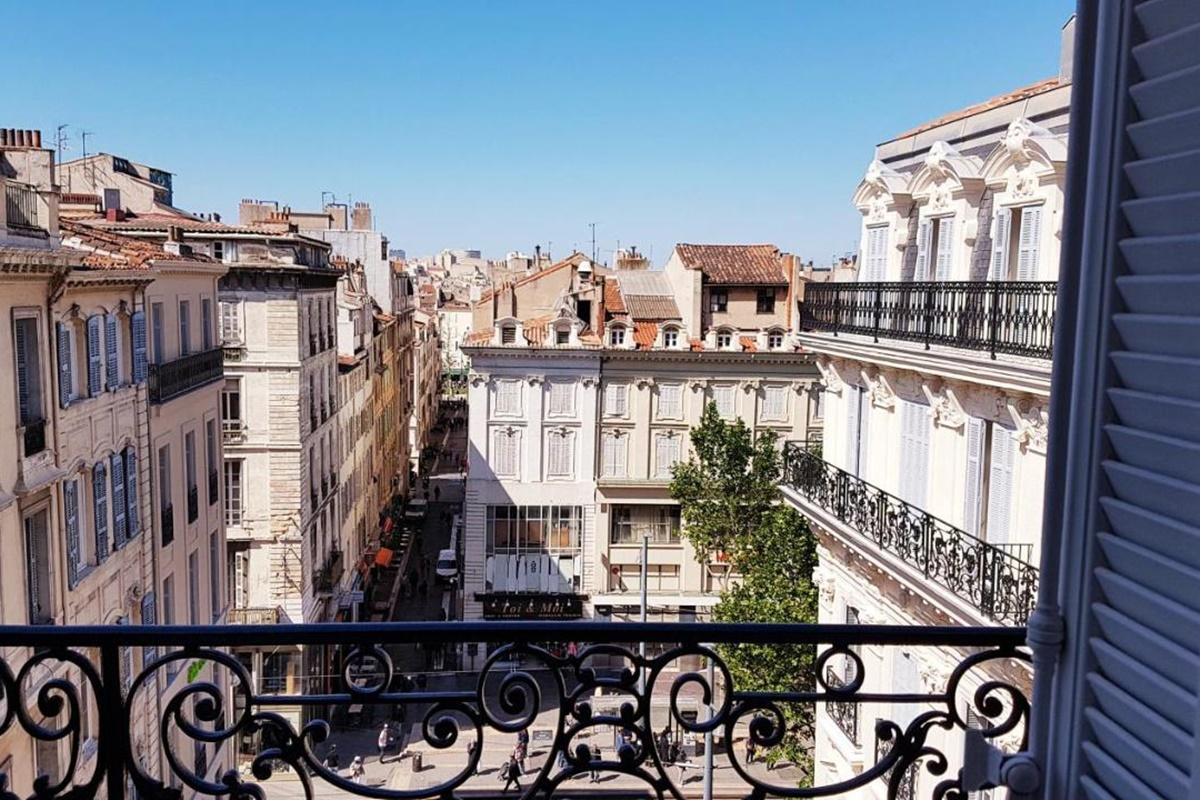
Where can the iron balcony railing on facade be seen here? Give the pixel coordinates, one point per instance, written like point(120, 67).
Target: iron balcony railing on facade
point(169, 380)
point(995, 579)
point(21, 206)
point(233, 431)
point(844, 714)
point(33, 437)
point(905, 782)
point(526, 677)
point(1008, 317)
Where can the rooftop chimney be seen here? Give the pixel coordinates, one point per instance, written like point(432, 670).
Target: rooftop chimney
point(20, 138)
point(360, 217)
point(1066, 53)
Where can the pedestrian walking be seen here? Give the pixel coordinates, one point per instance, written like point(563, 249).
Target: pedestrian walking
point(511, 773)
point(437, 494)
point(472, 749)
point(385, 735)
point(357, 769)
point(750, 749)
point(519, 755)
point(595, 754)
point(332, 760)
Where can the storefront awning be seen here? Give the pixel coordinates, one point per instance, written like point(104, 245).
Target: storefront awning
point(384, 557)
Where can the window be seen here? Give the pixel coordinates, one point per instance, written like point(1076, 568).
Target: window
point(77, 564)
point(31, 412)
point(206, 324)
point(616, 336)
point(724, 340)
point(189, 474)
point(766, 301)
point(218, 251)
point(506, 449)
point(214, 575)
point(915, 429)
point(670, 337)
point(132, 521)
point(185, 327)
point(231, 406)
point(562, 335)
point(233, 493)
point(210, 458)
point(774, 340)
point(95, 358)
point(875, 263)
point(194, 588)
point(100, 510)
point(999, 489)
point(718, 300)
point(508, 334)
point(241, 577)
point(670, 401)
point(613, 454)
point(560, 454)
point(666, 453)
point(660, 578)
point(508, 397)
point(231, 322)
point(724, 398)
point(37, 555)
point(631, 523)
point(562, 398)
point(157, 334)
point(137, 332)
point(533, 549)
point(616, 399)
point(168, 600)
point(67, 385)
point(1016, 244)
point(858, 419)
point(935, 249)
point(120, 504)
point(166, 512)
point(774, 405)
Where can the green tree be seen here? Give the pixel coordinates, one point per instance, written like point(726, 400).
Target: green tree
point(729, 499)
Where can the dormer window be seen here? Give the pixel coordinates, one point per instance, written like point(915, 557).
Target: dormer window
point(670, 337)
point(562, 336)
point(508, 334)
point(616, 336)
point(774, 340)
point(724, 340)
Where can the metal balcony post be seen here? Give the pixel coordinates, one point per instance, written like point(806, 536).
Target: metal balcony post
point(113, 727)
point(928, 314)
point(994, 319)
point(878, 312)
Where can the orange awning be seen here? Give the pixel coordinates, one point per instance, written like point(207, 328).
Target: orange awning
point(383, 557)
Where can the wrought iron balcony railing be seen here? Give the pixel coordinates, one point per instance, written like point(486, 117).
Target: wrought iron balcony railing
point(1011, 317)
point(902, 784)
point(233, 431)
point(469, 717)
point(169, 380)
point(997, 580)
point(845, 715)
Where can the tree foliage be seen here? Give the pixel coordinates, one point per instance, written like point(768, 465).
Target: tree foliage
point(729, 499)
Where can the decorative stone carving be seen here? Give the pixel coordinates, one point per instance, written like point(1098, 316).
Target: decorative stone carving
point(698, 385)
point(934, 679)
point(751, 385)
point(535, 380)
point(1023, 183)
point(940, 199)
point(588, 381)
point(642, 383)
point(877, 209)
point(881, 393)
point(1033, 421)
point(944, 406)
point(830, 378)
point(479, 378)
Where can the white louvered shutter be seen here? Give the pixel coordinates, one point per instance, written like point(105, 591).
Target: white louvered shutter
point(945, 249)
point(131, 493)
point(1000, 483)
point(669, 395)
point(876, 256)
point(119, 505)
point(662, 465)
point(914, 452)
point(71, 513)
point(137, 327)
point(1029, 243)
point(93, 355)
point(65, 385)
point(853, 426)
point(864, 433)
point(111, 366)
point(1137, 652)
point(923, 236)
point(1001, 230)
point(974, 432)
point(100, 509)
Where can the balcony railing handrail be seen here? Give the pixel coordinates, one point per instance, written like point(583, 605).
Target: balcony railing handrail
point(173, 378)
point(1006, 584)
point(1009, 317)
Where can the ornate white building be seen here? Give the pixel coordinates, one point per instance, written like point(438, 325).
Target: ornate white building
point(927, 492)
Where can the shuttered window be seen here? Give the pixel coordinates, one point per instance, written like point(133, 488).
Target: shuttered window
point(723, 397)
point(119, 504)
point(66, 382)
point(206, 324)
point(915, 428)
point(616, 397)
point(876, 261)
point(112, 366)
point(100, 510)
point(149, 617)
point(132, 521)
point(945, 248)
point(562, 398)
point(95, 358)
point(775, 403)
point(71, 520)
point(670, 401)
point(1000, 483)
point(858, 416)
point(1001, 230)
point(560, 456)
point(974, 430)
point(231, 323)
point(924, 238)
point(185, 327)
point(137, 327)
point(1131, 520)
point(666, 454)
point(1029, 243)
point(505, 448)
point(508, 397)
point(613, 455)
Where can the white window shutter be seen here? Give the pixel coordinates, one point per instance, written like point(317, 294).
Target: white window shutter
point(853, 422)
point(923, 239)
point(1000, 483)
point(100, 509)
point(1136, 520)
point(945, 249)
point(864, 432)
point(669, 396)
point(974, 484)
point(71, 513)
point(661, 456)
point(111, 366)
point(65, 384)
point(93, 355)
point(1030, 243)
point(1001, 230)
point(131, 492)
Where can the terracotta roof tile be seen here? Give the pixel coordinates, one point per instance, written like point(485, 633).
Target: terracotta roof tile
point(735, 264)
point(105, 250)
point(649, 306)
point(749, 344)
point(574, 258)
point(1016, 95)
point(614, 303)
point(645, 334)
point(479, 337)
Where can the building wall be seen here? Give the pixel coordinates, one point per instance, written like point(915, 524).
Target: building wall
point(742, 308)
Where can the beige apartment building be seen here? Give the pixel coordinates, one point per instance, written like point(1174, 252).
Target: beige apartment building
point(426, 381)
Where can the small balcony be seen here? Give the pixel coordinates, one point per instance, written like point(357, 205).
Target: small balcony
point(997, 581)
point(523, 675)
point(844, 715)
point(174, 378)
point(233, 431)
point(996, 317)
point(327, 577)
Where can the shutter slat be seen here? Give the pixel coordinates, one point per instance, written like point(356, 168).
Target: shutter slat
point(1169, 416)
point(1122, 781)
point(1161, 255)
point(1173, 215)
point(1164, 136)
point(1156, 612)
point(1166, 175)
point(1166, 455)
point(1152, 768)
point(1168, 496)
point(1168, 94)
point(1170, 376)
point(1160, 17)
point(1151, 727)
point(1177, 295)
point(1093, 790)
point(1176, 50)
point(1160, 334)
point(1155, 533)
point(1176, 664)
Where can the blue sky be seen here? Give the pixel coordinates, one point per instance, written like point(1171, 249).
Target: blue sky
point(500, 125)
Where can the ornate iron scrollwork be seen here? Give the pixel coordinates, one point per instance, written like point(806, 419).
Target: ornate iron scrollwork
point(224, 707)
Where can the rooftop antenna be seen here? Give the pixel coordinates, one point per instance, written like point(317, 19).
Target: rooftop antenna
point(592, 225)
point(60, 145)
point(83, 136)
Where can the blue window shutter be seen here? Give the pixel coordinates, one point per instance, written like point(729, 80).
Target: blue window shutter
point(64, 365)
point(93, 355)
point(100, 507)
point(111, 376)
point(138, 328)
point(118, 500)
point(71, 513)
point(149, 617)
point(22, 374)
point(131, 492)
